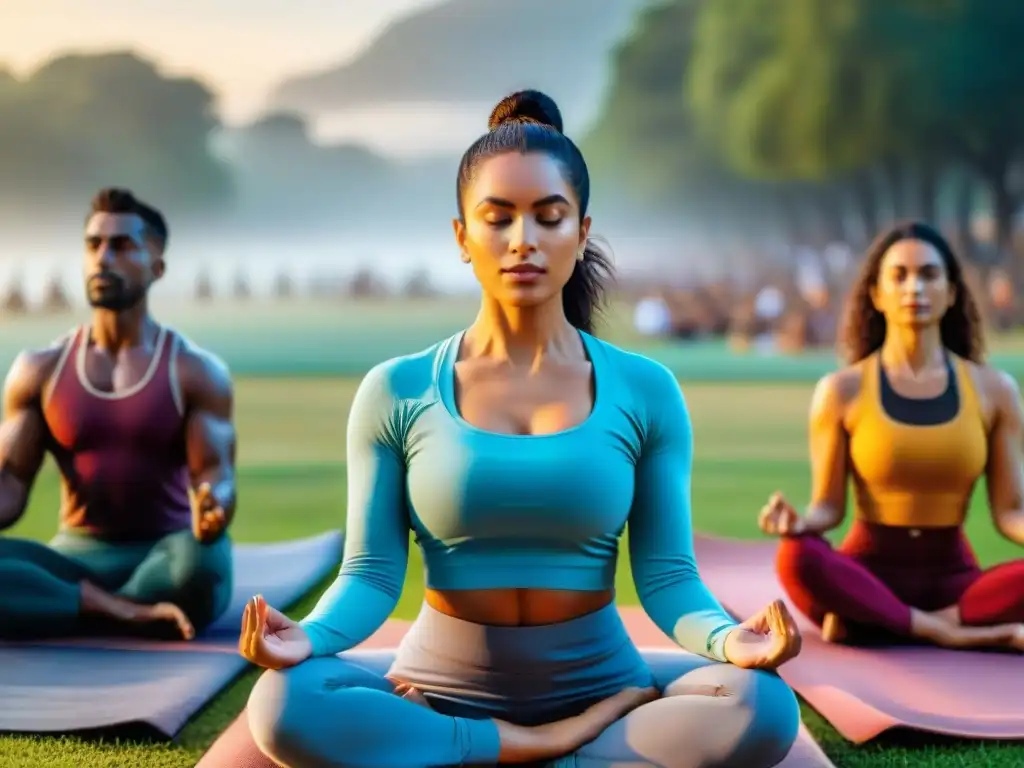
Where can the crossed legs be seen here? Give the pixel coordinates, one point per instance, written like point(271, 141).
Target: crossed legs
point(340, 712)
point(42, 584)
point(821, 580)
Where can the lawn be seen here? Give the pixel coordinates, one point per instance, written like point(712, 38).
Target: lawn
point(750, 441)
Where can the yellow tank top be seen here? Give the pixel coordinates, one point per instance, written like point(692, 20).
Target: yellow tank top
point(915, 475)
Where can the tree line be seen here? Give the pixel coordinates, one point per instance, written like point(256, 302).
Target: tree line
point(806, 121)
point(823, 119)
point(84, 121)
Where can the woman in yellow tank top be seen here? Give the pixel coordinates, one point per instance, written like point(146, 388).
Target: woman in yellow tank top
point(912, 423)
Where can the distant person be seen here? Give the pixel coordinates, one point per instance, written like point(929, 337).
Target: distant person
point(769, 308)
point(838, 258)
point(652, 316)
point(721, 298)
point(135, 418)
point(915, 421)
point(822, 319)
point(241, 289)
point(204, 286)
point(365, 285)
point(743, 326)
point(517, 451)
point(1003, 300)
point(793, 334)
point(284, 286)
point(14, 301)
point(419, 286)
point(56, 299)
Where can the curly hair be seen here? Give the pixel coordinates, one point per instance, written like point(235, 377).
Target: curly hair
point(863, 329)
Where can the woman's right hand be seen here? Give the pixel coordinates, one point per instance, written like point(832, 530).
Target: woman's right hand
point(270, 639)
point(778, 518)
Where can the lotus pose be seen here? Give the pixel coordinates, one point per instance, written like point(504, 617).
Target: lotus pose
point(139, 423)
point(915, 420)
point(517, 452)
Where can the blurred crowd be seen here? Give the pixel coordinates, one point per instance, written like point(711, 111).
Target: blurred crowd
point(784, 309)
point(767, 306)
point(363, 284)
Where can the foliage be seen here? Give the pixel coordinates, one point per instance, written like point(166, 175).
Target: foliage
point(885, 108)
point(84, 121)
point(812, 120)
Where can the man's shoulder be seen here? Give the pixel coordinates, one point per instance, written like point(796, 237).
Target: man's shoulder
point(33, 367)
point(199, 368)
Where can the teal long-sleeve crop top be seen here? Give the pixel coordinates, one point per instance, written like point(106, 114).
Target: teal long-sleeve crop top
point(492, 511)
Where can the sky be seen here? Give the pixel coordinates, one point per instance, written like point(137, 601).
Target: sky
point(242, 48)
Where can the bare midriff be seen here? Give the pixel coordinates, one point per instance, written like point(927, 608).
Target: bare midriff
point(517, 607)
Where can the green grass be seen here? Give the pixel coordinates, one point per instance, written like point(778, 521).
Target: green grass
point(750, 441)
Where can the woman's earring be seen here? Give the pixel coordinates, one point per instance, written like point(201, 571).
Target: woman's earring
point(581, 254)
point(465, 257)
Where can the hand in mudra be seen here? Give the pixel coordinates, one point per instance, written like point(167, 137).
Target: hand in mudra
point(766, 640)
point(208, 516)
point(270, 639)
point(778, 518)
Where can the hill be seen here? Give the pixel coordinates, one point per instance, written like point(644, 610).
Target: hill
point(561, 47)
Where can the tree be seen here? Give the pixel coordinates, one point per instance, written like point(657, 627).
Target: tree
point(85, 121)
point(868, 106)
point(815, 91)
point(643, 138)
point(644, 146)
point(982, 69)
point(286, 179)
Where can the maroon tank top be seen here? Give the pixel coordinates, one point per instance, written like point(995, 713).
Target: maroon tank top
point(121, 455)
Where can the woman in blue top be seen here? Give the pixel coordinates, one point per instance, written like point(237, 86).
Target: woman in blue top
point(517, 453)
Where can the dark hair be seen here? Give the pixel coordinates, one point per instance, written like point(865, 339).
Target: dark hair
point(864, 326)
point(117, 200)
point(530, 121)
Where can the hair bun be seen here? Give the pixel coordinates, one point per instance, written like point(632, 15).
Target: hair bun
point(526, 107)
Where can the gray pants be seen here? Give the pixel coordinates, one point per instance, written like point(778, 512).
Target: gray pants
point(339, 712)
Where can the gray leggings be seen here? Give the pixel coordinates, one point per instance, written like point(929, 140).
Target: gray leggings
point(339, 712)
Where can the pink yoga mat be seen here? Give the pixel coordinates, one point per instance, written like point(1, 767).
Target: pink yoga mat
point(235, 748)
point(862, 691)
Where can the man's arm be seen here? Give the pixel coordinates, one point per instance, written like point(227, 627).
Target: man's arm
point(210, 443)
point(23, 431)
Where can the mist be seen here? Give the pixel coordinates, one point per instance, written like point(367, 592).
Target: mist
point(396, 240)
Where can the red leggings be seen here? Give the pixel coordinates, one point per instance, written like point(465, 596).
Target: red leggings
point(879, 573)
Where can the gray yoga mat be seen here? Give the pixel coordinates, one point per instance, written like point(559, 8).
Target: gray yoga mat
point(95, 683)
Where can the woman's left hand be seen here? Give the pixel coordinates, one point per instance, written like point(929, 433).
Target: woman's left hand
point(766, 640)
